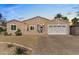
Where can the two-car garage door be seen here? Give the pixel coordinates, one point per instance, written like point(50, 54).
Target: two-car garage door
point(58, 29)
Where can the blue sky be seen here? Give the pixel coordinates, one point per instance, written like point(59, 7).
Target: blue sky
point(26, 11)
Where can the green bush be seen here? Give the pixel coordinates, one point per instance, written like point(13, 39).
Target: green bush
point(1, 30)
point(6, 34)
point(18, 32)
point(19, 51)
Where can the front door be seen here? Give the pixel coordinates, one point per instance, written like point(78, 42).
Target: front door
point(40, 28)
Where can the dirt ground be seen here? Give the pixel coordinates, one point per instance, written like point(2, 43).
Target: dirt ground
point(7, 48)
point(57, 45)
point(47, 44)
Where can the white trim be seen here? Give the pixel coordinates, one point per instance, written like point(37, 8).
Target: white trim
point(11, 25)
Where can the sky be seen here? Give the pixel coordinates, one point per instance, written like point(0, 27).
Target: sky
point(26, 11)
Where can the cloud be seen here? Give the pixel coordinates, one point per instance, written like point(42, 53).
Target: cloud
point(9, 10)
point(69, 13)
point(76, 7)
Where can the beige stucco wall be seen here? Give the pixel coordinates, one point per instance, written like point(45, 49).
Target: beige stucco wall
point(59, 21)
point(35, 22)
point(19, 25)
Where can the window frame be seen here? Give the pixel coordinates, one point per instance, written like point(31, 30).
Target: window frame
point(33, 27)
point(13, 27)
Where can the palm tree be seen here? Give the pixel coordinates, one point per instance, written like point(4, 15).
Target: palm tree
point(75, 20)
point(58, 16)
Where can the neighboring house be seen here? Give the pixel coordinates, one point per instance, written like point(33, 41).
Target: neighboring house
point(74, 29)
point(39, 25)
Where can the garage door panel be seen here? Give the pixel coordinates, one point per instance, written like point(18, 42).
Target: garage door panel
point(57, 29)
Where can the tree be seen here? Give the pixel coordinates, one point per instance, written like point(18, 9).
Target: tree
point(1, 16)
point(75, 20)
point(61, 16)
point(2, 20)
point(58, 16)
point(65, 18)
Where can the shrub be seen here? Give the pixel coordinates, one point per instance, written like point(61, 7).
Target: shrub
point(1, 30)
point(19, 51)
point(18, 32)
point(5, 33)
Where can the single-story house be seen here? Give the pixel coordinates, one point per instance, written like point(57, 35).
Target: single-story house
point(39, 25)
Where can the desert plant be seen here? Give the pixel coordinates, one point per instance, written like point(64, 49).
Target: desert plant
point(5, 33)
point(20, 51)
point(18, 32)
point(1, 30)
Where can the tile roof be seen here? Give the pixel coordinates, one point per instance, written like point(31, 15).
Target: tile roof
point(36, 17)
point(15, 21)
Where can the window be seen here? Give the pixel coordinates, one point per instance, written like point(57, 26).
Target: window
point(31, 27)
point(13, 27)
